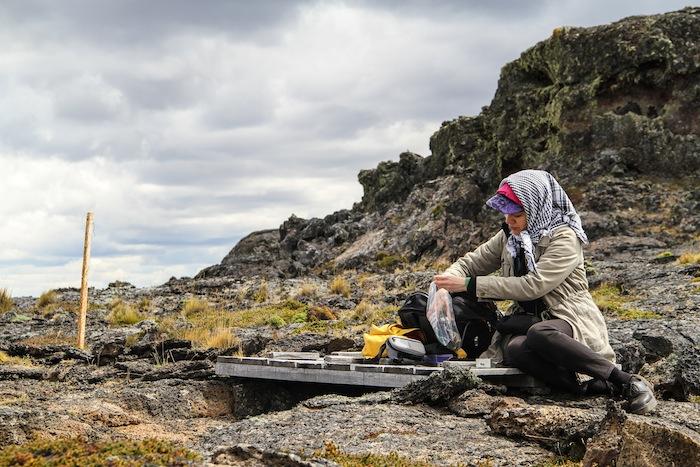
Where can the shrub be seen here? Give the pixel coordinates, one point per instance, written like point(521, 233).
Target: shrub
point(123, 314)
point(50, 297)
point(340, 286)
point(77, 451)
point(6, 302)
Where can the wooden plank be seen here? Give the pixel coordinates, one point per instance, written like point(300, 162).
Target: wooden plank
point(343, 359)
point(357, 374)
point(295, 355)
point(348, 354)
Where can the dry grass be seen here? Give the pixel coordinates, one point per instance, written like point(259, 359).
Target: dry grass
point(46, 299)
point(689, 258)
point(321, 313)
point(53, 338)
point(123, 314)
point(332, 452)
point(610, 300)
point(308, 289)
point(6, 302)
point(262, 294)
point(340, 286)
point(7, 360)
point(216, 338)
point(145, 305)
point(78, 451)
point(369, 313)
point(195, 306)
point(276, 315)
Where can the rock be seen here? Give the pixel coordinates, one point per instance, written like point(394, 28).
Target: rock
point(477, 403)
point(244, 454)
point(202, 369)
point(560, 429)
point(20, 372)
point(676, 376)
point(419, 432)
point(439, 387)
point(637, 440)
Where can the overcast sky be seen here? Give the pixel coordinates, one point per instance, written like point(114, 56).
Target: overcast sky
point(184, 125)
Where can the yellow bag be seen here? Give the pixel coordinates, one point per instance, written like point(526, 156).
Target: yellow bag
point(377, 336)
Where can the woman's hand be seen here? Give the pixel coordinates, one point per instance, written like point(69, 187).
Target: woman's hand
point(450, 283)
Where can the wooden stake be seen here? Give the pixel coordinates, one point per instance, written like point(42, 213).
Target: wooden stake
point(82, 317)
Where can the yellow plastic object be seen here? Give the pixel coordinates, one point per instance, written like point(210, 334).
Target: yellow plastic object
point(377, 336)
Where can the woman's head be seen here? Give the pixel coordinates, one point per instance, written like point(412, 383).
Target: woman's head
point(542, 200)
point(508, 203)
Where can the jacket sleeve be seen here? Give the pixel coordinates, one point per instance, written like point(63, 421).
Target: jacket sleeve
point(557, 262)
point(482, 261)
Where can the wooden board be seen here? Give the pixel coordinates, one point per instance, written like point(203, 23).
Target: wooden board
point(355, 374)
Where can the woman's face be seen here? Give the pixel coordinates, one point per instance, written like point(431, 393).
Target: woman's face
point(516, 222)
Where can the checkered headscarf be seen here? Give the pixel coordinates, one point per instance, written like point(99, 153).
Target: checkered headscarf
point(546, 205)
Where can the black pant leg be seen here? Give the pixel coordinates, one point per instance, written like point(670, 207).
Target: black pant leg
point(521, 356)
point(554, 339)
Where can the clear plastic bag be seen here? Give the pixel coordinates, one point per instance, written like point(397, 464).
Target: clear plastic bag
point(442, 317)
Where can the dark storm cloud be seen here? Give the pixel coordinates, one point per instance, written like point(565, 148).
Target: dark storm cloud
point(136, 23)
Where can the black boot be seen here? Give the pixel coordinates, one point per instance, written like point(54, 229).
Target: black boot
point(640, 395)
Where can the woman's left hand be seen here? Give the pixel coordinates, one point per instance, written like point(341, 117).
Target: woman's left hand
point(450, 283)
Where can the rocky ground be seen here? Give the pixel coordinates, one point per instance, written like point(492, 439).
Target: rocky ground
point(155, 384)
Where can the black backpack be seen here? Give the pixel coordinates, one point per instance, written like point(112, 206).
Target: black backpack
point(476, 322)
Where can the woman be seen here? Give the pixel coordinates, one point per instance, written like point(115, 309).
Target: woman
point(539, 251)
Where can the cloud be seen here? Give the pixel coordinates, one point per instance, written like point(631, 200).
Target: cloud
point(186, 125)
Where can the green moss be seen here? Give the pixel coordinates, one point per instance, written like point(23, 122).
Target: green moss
point(388, 261)
point(78, 452)
point(332, 452)
point(438, 211)
point(610, 300)
point(276, 321)
point(664, 254)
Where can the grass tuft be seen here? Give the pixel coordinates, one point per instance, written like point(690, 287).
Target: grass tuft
point(215, 338)
point(195, 306)
point(6, 302)
point(48, 298)
point(308, 289)
point(689, 258)
point(321, 313)
point(262, 294)
point(369, 313)
point(8, 360)
point(388, 261)
point(340, 286)
point(123, 314)
point(77, 451)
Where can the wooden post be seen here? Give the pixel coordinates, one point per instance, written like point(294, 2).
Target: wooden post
point(82, 317)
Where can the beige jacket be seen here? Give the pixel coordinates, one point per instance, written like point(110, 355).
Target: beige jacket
point(560, 280)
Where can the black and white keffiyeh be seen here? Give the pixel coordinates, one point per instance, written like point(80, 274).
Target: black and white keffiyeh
point(547, 208)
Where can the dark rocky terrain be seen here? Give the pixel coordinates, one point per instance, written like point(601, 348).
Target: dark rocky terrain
point(611, 111)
